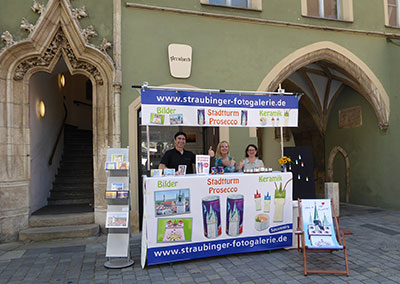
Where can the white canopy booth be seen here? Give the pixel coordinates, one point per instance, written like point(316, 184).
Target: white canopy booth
point(195, 216)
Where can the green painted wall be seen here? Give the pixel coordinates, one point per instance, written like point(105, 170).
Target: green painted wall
point(290, 11)
point(18, 9)
point(371, 152)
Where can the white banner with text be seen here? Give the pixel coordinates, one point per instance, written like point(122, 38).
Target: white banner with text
point(162, 107)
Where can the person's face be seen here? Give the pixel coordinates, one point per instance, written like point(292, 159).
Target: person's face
point(180, 141)
point(251, 151)
point(224, 148)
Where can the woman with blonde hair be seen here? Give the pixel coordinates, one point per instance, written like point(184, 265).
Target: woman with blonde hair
point(223, 159)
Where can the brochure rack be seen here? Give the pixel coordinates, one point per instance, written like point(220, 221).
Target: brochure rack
point(119, 206)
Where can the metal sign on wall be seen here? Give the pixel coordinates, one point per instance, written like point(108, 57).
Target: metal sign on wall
point(180, 60)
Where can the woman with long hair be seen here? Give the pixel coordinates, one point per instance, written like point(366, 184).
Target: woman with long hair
point(223, 159)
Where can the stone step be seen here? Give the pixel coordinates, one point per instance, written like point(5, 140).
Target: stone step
point(52, 201)
point(58, 232)
point(61, 219)
point(82, 141)
point(75, 172)
point(79, 148)
point(76, 165)
point(71, 194)
point(72, 186)
point(77, 154)
point(77, 179)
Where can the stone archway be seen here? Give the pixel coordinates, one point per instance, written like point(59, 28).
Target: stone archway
point(331, 159)
point(370, 86)
point(57, 34)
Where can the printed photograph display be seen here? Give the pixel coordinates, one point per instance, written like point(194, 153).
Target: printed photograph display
point(111, 194)
point(117, 220)
point(123, 194)
point(202, 164)
point(172, 202)
point(157, 118)
point(156, 173)
point(117, 157)
point(169, 172)
point(174, 230)
point(111, 165)
point(181, 170)
point(123, 165)
point(117, 186)
point(176, 119)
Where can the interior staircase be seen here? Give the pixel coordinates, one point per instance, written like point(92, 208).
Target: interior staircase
point(69, 213)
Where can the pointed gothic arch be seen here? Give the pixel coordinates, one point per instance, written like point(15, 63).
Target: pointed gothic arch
point(370, 86)
point(56, 34)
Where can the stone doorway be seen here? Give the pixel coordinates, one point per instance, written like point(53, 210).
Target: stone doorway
point(56, 35)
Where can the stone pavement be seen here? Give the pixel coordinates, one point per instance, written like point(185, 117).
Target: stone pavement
point(374, 257)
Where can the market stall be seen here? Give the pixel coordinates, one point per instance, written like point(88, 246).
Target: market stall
point(194, 216)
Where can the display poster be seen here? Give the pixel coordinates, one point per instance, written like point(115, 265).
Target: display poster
point(162, 107)
point(202, 164)
point(318, 224)
point(193, 216)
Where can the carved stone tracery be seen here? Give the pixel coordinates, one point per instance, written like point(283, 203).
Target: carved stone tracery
point(58, 43)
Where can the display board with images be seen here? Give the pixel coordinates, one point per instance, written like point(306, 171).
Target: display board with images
point(205, 216)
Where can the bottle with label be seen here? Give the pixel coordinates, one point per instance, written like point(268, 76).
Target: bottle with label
point(267, 202)
point(257, 198)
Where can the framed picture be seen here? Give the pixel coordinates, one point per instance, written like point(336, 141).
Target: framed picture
point(169, 172)
point(191, 138)
point(181, 170)
point(111, 166)
point(117, 157)
point(117, 186)
point(117, 220)
point(123, 194)
point(156, 173)
point(111, 194)
point(123, 165)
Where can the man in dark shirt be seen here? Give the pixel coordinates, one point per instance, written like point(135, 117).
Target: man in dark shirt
point(178, 156)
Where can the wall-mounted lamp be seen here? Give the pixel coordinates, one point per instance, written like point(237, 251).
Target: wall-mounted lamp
point(61, 80)
point(42, 109)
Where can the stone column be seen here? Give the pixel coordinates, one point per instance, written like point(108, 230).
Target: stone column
point(332, 191)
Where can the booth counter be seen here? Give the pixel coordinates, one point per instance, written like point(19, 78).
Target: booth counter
point(195, 216)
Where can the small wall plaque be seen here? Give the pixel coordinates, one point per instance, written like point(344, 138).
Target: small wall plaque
point(180, 60)
point(350, 117)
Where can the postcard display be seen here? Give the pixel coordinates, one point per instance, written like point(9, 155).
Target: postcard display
point(119, 205)
point(196, 216)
